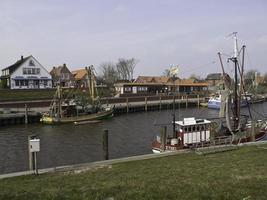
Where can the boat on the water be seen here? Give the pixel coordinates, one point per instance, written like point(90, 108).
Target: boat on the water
point(215, 102)
point(231, 127)
point(70, 110)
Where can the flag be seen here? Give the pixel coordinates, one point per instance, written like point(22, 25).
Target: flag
point(174, 70)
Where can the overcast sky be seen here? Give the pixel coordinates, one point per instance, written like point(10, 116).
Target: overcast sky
point(158, 33)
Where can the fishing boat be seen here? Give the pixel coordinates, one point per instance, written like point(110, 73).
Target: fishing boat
point(69, 111)
point(231, 127)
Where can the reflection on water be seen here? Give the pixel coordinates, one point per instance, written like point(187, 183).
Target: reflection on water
point(129, 135)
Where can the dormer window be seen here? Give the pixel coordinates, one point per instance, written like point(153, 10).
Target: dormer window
point(31, 63)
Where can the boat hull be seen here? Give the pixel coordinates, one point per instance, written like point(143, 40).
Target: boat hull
point(91, 117)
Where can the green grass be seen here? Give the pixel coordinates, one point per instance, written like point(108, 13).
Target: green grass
point(39, 94)
point(239, 174)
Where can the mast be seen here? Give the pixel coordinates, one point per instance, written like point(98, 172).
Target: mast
point(173, 72)
point(236, 98)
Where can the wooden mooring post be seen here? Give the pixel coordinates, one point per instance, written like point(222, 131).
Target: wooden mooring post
point(127, 104)
point(105, 144)
point(26, 114)
point(253, 124)
point(198, 101)
point(146, 104)
point(160, 103)
point(163, 137)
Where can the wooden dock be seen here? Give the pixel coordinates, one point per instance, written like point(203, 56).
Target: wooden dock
point(19, 118)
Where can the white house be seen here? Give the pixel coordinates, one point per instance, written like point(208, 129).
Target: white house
point(26, 73)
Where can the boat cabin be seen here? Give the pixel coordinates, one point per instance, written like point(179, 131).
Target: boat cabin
point(191, 130)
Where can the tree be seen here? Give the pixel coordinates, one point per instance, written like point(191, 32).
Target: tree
point(167, 73)
point(109, 73)
point(249, 79)
point(125, 68)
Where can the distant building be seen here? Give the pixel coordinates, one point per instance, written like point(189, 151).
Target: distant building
point(26, 73)
point(80, 77)
point(214, 81)
point(62, 76)
point(148, 85)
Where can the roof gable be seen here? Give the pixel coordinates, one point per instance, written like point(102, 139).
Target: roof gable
point(17, 64)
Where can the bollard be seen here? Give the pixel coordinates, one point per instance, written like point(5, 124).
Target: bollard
point(163, 132)
point(105, 144)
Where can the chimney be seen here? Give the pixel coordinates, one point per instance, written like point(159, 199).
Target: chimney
point(64, 65)
point(21, 57)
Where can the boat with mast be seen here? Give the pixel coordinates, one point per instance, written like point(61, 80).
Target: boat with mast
point(69, 111)
point(231, 127)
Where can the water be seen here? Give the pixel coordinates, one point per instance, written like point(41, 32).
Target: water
point(129, 134)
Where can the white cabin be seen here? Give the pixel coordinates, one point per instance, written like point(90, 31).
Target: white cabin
point(193, 130)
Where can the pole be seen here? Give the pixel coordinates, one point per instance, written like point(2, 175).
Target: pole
point(253, 130)
point(146, 104)
point(30, 154)
point(35, 163)
point(127, 104)
point(26, 114)
point(105, 144)
point(159, 102)
point(163, 132)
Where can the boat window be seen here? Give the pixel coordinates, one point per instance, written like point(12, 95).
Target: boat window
point(193, 128)
point(185, 129)
point(202, 128)
point(197, 128)
point(189, 129)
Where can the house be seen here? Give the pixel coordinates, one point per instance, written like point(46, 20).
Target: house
point(147, 85)
point(26, 73)
point(214, 80)
point(80, 77)
point(62, 76)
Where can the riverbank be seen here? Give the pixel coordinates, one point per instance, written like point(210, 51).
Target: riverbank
point(239, 174)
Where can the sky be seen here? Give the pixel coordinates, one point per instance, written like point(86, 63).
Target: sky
point(158, 33)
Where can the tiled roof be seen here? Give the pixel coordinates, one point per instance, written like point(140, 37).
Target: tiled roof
point(153, 79)
point(79, 74)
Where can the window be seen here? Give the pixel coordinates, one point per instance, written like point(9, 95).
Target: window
point(127, 89)
point(45, 82)
point(67, 76)
point(16, 82)
point(31, 70)
point(31, 63)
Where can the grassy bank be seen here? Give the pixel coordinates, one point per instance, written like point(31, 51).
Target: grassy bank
point(239, 174)
point(39, 94)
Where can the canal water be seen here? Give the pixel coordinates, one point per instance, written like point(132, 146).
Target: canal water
point(129, 134)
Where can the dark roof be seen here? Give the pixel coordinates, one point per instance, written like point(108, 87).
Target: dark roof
point(214, 76)
point(13, 67)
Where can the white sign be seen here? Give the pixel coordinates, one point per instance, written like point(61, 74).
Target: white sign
point(34, 145)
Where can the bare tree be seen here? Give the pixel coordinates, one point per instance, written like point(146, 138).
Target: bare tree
point(166, 73)
point(109, 73)
point(125, 68)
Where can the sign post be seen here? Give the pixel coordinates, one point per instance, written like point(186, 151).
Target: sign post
point(34, 147)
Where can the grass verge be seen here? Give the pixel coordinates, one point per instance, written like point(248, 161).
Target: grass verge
point(239, 174)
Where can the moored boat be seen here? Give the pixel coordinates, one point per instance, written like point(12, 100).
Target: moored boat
point(232, 130)
point(69, 110)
